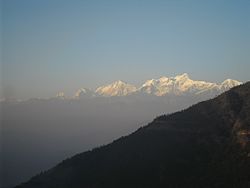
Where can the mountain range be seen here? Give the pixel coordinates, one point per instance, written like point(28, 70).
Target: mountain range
point(179, 85)
point(91, 118)
point(206, 145)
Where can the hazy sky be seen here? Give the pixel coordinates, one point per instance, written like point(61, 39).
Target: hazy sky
point(57, 45)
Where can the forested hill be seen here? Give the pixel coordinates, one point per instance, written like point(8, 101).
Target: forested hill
point(206, 145)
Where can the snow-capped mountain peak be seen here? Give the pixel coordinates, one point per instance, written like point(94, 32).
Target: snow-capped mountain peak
point(163, 79)
point(179, 85)
point(165, 85)
point(83, 92)
point(119, 83)
point(149, 82)
point(117, 88)
point(182, 77)
point(229, 83)
point(183, 85)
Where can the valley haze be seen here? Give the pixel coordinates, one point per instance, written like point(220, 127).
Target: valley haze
point(41, 132)
point(205, 145)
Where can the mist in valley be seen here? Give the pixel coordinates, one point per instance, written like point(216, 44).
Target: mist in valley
point(39, 133)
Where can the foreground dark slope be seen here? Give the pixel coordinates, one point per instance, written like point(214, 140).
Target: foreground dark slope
point(206, 145)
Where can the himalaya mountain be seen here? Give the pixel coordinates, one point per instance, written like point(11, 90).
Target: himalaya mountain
point(117, 88)
point(179, 85)
point(206, 145)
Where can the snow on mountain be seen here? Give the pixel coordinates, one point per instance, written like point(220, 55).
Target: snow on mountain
point(229, 83)
point(118, 88)
point(179, 85)
point(83, 92)
point(183, 85)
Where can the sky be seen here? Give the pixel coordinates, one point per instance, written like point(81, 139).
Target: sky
point(62, 45)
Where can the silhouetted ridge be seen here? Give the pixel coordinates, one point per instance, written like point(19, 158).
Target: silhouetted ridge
point(206, 145)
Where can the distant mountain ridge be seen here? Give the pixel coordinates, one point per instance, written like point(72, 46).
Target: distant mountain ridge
point(118, 88)
point(178, 85)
